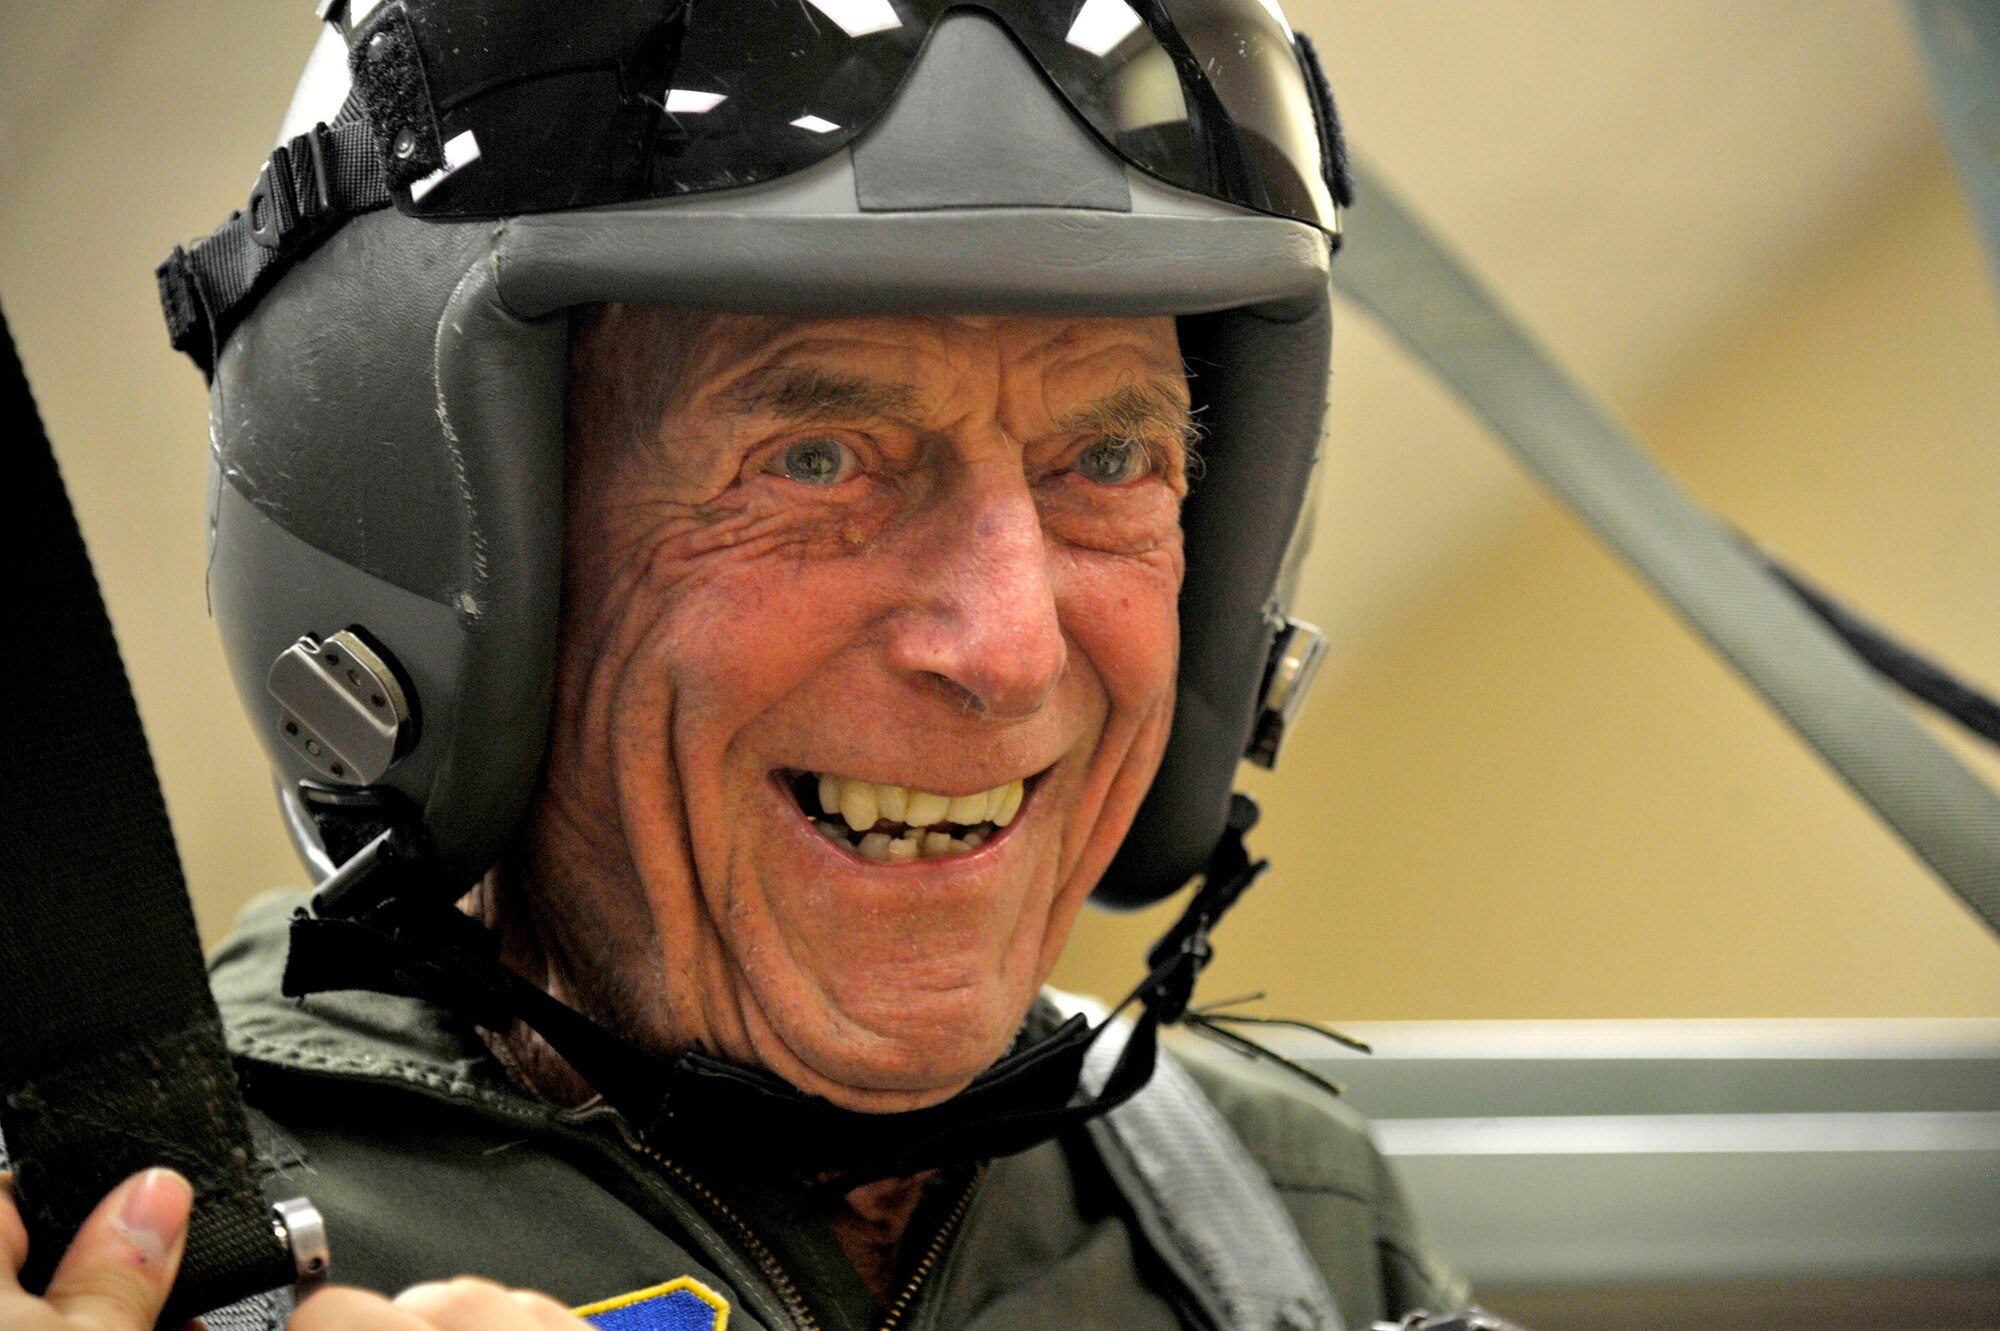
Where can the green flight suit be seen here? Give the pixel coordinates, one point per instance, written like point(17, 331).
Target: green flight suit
point(428, 1162)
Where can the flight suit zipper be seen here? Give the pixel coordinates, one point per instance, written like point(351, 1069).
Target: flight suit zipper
point(780, 1280)
point(907, 1297)
point(761, 1257)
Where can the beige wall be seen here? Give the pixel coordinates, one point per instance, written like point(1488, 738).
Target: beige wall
point(1543, 798)
point(1523, 791)
point(133, 127)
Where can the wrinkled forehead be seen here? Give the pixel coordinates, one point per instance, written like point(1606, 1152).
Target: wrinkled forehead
point(632, 365)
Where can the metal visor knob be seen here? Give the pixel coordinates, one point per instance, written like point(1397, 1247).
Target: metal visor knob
point(341, 707)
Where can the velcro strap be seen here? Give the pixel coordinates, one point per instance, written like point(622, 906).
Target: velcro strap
point(171, 1101)
point(1326, 119)
point(308, 187)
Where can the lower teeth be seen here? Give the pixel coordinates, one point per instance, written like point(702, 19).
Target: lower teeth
point(917, 843)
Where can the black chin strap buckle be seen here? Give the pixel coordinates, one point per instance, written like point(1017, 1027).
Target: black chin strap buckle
point(380, 922)
point(369, 879)
point(377, 837)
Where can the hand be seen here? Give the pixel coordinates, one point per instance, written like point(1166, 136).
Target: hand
point(465, 1304)
point(117, 1272)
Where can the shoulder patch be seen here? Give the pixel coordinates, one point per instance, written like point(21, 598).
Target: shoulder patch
point(679, 1305)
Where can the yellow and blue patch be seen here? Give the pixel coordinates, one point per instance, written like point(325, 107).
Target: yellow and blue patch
point(679, 1305)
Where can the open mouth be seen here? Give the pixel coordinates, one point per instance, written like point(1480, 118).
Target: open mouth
point(894, 824)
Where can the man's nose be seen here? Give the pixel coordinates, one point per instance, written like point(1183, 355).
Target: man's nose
point(983, 626)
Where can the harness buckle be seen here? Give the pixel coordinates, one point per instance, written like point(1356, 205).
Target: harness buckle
point(302, 1229)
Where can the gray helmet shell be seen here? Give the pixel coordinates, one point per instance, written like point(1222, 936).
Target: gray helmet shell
point(387, 424)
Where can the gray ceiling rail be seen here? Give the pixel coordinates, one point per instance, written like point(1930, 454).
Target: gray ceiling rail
point(1397, 270)
point(1961, 43)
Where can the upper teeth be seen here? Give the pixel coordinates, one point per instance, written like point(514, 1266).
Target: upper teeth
point(861, 804)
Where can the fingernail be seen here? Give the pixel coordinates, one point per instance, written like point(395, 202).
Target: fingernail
point(154, 1213)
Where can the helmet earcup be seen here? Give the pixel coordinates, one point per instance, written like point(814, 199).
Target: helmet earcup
point(1258, 382)
point(387, 443)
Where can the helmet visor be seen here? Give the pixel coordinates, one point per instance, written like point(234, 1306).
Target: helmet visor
point(580, 105)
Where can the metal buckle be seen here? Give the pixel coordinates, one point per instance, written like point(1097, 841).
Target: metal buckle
point(302, 1229)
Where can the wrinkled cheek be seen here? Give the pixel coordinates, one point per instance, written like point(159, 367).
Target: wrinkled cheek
point(1133, 637)
point(726, 650)
point(636, 741)
point(624, 680)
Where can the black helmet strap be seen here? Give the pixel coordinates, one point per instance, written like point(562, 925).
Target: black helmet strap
point(373, 926)
point(309, 186)
point(384, 137)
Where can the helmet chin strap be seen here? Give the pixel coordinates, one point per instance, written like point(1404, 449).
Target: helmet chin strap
point(378, 925)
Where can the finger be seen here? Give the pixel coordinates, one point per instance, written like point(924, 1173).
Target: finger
point(13, 1237)
point(465, 1304)
point(547, 1313)
point(471, 1304)
point(118, 1269)
point(342, 1308)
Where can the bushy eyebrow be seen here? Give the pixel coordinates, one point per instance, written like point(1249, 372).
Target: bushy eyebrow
point(1133, 412)
point(805, 393)
point(808, 393)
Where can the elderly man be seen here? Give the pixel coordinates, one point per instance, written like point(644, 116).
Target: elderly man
point(785, 676)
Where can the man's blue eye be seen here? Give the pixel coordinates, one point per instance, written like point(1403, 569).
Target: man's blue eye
point(1114, 461)
point(813, 462)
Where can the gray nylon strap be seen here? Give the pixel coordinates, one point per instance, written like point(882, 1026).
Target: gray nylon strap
point(1200, 1199)
point(1961, 41)
point(1393, 267)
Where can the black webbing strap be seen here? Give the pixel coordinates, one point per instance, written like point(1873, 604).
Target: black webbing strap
point(111, 1052)
point(402, 940)
point(309, 186)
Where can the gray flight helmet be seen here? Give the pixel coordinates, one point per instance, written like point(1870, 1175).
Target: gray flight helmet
point(387, 428)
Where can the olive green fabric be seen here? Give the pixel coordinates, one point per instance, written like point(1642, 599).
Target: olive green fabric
point(428, 1163)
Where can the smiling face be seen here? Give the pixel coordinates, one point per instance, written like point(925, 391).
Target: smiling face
point(867, 657)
